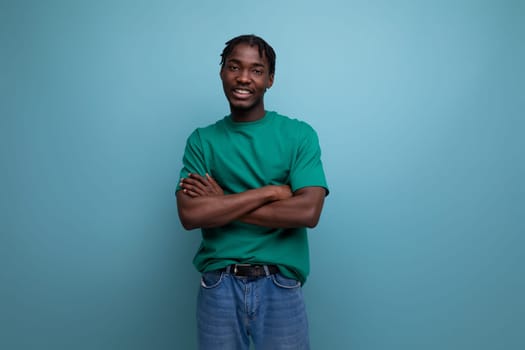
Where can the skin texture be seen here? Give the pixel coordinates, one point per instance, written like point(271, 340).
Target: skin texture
point(202, 203)
point(203, 208)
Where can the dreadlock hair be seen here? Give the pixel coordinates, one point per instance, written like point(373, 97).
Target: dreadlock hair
point(264, 49)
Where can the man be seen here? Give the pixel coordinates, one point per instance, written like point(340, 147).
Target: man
point(252, 182)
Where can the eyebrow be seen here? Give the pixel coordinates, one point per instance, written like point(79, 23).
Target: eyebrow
point(234, 60)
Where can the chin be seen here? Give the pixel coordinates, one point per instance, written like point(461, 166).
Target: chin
point(243, 106)
point(246, 105)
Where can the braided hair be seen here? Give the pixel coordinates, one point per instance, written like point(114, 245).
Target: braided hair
point(265, 50)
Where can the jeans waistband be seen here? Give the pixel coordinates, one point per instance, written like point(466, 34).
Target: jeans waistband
point(249, 270)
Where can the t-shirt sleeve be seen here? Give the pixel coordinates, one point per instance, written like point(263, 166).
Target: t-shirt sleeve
point(307, 168)
point(193, 160)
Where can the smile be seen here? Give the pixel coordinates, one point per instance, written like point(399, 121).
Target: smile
point(241, 91)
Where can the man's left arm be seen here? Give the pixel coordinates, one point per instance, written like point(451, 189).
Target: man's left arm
point(303, 209)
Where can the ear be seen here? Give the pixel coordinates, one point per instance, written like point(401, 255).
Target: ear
point(270, 81)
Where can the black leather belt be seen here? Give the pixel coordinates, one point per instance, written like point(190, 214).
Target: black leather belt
point(248, 270)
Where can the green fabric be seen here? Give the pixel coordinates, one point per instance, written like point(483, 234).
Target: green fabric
point(274, 150)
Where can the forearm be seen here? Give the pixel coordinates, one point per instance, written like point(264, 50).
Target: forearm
point(214, 211)
point(301, 210)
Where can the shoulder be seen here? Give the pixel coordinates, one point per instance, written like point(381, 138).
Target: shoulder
point(298, 133)
point(210, 129)
point(298, 125)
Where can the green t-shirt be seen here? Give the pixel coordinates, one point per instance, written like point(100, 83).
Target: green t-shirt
point(274, 150)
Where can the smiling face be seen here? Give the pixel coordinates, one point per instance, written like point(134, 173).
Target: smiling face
point(245, 77)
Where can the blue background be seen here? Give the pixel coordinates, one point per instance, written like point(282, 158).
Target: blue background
point(419, 106)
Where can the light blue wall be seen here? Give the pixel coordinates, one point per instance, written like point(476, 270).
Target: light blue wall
point(419, 106)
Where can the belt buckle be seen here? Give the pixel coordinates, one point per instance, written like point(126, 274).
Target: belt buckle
point(241, 265)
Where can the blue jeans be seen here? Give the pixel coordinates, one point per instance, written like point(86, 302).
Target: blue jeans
point(269, 310)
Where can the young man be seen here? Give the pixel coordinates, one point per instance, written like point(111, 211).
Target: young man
point(252, 182)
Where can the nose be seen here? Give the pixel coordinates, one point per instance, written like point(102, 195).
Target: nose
point(243, 76)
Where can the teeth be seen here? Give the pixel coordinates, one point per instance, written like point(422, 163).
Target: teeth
point(242, 91)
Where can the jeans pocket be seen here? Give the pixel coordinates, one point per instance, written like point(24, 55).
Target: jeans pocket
point(211, 279)
point(285, 282)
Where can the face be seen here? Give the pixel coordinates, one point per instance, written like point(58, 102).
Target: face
point(245, 77)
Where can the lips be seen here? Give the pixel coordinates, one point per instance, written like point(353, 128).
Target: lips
point(242, 92)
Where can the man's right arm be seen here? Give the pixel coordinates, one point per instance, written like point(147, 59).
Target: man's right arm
point(218, 210)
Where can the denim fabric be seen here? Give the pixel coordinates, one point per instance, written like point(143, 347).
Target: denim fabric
point(268, 310)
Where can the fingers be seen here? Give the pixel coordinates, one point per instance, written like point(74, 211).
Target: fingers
point(197, 177)
point(186, 182)
point(196, 185)
point(214, 184)
point(191, 190)
point(191, 193)
point(193, 187)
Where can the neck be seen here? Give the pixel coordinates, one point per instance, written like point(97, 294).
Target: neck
point(247, 115)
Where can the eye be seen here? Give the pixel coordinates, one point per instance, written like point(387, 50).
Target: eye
point(233, 68)
point(258, 71)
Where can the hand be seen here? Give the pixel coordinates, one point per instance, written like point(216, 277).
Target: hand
point(282, 192)
point(196, 185)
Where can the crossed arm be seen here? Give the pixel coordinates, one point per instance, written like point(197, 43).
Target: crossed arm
point(202, 203)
